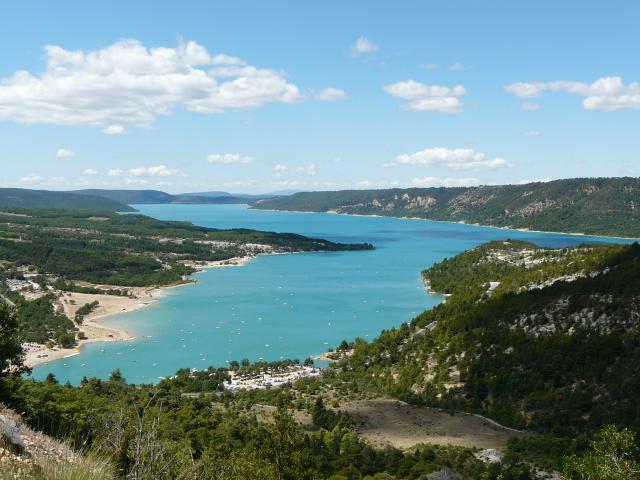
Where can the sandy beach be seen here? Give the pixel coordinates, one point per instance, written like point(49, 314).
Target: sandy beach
point(109, 305)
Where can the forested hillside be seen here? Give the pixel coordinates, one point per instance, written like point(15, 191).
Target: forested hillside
point(605, 206)
point(131, 249)
point(534, 338)
point(19, 197)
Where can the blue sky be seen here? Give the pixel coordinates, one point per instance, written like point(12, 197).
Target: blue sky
point(262, 96)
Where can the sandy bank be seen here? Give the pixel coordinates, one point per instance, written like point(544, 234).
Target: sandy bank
point(109, 305)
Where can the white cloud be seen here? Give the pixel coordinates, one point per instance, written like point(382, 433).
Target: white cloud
point(606, 94)
point(31, 178)
point(229, 158)
point(455, 159)
point(290, 183)
point(458, 66)
point(363, 46)
point(533, 133)
point(222, 59)
point(377, 183)
point(64, 153)
point(444, 182)
point(279, 169)
point(114, 130)
point(135, 181)
point(155, 171)
point(531, 106)
point(90, 171)
point(428, 98)
point(539, 180)
point(309, 169)
point(127, 84)
point(330, 95)
point(115, 172)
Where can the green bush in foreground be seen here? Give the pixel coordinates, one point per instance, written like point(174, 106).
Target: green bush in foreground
point(614, 456)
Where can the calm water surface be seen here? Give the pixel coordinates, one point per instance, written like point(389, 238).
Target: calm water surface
point(284, 306)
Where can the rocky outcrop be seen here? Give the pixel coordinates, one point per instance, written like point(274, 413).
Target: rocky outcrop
point(22, 449)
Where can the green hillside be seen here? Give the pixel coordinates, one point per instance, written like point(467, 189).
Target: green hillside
point(131, 250)
point(18, 197)
point(603, 206)
point(534, 338)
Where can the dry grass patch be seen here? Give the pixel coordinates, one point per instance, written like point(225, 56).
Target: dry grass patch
point(392, 422)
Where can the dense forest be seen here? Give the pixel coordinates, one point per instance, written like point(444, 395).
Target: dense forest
point(603, 206)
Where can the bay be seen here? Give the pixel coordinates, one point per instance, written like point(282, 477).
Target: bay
point(285, 306)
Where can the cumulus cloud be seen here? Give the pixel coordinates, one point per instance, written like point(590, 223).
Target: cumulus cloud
point(375, 184)
point(362, 46)
point(155, 171)
point(606, 94)
point(538, 180)
point(90, 171)
point(455, 159)
point(309, 169)
point(31, 178)
point(115, 172)
point(330, 95)
point(64, 153)
point(428, 98)
point(229, 158)
point(114, 130)
point(222, 59)
point(128, 84)
point(533, 133)
point(444, 182)
point(279, 169)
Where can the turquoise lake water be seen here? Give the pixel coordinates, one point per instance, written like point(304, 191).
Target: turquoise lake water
point(284, 306)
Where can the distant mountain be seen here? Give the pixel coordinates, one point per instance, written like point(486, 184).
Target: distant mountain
point(280, 193)
point(210, 194)
point(158, 197)
point(129, 196)
point(19, 197)
point(241, 197)
point(605, 206)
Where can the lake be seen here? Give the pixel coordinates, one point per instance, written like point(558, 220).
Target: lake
point(284, 306)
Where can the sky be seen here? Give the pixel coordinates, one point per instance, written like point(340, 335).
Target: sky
point(257, 96)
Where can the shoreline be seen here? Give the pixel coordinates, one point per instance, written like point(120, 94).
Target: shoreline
point(373, 215)
point(112, 305)
point(146, 296)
